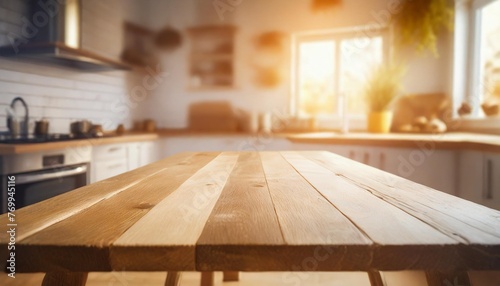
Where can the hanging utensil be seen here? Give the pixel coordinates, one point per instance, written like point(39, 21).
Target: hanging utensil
point(168, 39)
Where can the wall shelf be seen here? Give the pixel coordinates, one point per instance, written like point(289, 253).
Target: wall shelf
point(211, 60)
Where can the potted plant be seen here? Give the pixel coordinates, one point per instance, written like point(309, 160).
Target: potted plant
point(382, 87)
point(420, 23)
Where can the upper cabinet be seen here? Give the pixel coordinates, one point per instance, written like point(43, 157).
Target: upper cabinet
point(211, 60)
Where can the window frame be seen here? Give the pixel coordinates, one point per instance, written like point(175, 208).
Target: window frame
point(467, 82)
point(333, 121)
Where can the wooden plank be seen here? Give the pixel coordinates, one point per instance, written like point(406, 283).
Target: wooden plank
point(89, 233)
point(33, 218)
point(165, 237)
point(402, 241)
point(462, 220)
point(242, 231)
point(310, 221)
point(65, 278)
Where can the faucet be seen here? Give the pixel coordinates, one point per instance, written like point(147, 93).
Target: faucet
point(24, 124)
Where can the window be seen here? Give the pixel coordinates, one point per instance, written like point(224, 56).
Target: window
point(331, 69)
point(489, 50)
point(477, 54)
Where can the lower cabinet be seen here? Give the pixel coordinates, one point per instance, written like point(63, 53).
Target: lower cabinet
point(426, 166)
point(212, 143)
point(113, 159)
point(479, 178)
point(108, 161)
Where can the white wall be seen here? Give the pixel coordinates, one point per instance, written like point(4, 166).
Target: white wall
point(168, 103)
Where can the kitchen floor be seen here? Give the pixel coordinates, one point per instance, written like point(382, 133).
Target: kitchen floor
point(246, 279)
point(406, 278)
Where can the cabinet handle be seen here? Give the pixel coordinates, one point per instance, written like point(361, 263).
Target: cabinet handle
point(115, 166)
point(488, 177)
point(113, 149)
point(352, 155)
point(366, 159)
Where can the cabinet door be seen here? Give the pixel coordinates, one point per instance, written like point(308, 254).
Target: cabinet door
point(470, 175)
point(148, 153)
point(133, 155)
point(491, 180)
point(430, 167)
point(107, 169)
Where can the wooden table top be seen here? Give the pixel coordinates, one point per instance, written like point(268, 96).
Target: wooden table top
point(247, 211)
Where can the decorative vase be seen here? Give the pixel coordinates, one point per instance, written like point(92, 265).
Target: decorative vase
point(379, 122)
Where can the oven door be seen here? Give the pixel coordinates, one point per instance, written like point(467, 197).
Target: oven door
point(33, 187)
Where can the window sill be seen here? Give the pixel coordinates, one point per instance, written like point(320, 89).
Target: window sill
point(489, 125)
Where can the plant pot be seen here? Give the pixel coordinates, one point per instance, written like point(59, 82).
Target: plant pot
point(379, 122)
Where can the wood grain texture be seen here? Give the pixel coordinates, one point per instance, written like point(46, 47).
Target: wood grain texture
point(166, 236)
point(249, 211)
point(416, 243)
point(243, 225)
point(310, 221)
point(89, 233)
point(464, 221)
point(65, 279)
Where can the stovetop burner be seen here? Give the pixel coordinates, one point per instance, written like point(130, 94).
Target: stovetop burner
point(30, 139)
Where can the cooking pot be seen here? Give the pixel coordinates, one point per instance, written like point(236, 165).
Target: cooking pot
point(41, 128)
point(81, 127)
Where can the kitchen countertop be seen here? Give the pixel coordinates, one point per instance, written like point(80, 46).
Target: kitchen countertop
point(187, 132)
point(36, 147)
point(454, 141)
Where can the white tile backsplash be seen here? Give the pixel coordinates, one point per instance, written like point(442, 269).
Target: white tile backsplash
point(63, 95)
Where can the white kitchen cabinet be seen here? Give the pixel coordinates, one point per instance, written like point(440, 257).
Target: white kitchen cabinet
point(133, 156)
point(373, 156)
point(433, 168)
point(490, 191)
point(108, 161)
point(209, 143)
point(113, 159)
point(479, 178)
point(148, 152)
point(107, 169)
point(470, 175)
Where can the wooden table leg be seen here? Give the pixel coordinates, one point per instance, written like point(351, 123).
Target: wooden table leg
point(435, 278)
point(207, 278)
point(375, 278)
point(65, 278)
point(231, 276)
point(173, 278)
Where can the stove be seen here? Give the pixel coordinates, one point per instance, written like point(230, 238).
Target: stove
point(32, 139)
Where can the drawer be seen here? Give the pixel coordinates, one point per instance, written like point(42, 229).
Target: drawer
point(110, 152)
point(108, 169)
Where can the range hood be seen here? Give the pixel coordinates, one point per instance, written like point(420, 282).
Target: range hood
point(59, 40)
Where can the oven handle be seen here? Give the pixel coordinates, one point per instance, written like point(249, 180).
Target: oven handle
point(24, 179)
